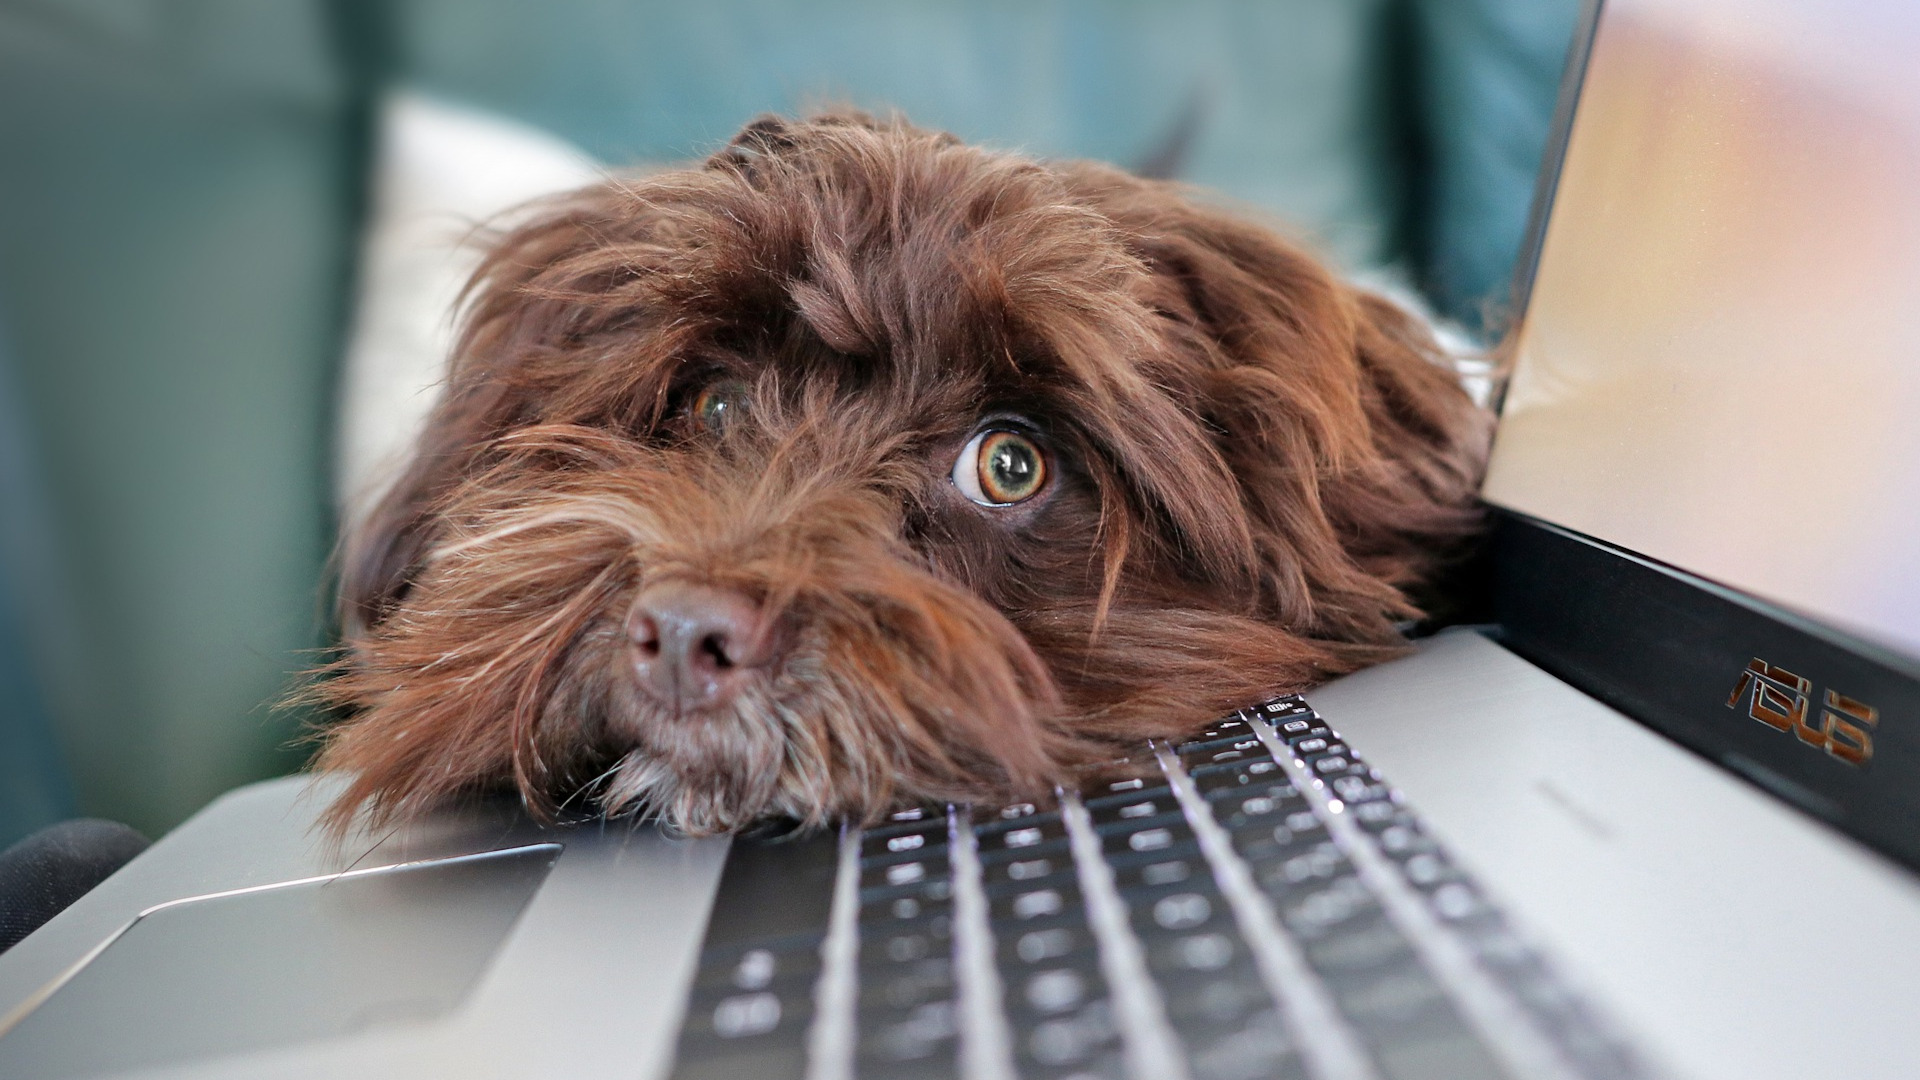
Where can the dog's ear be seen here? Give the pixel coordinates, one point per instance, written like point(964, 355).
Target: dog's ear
point(535, 314)
point(1357, 451)
point(380, 551)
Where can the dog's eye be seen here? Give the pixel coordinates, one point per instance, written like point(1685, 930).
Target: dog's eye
point(720, 404)
point(1000, 468)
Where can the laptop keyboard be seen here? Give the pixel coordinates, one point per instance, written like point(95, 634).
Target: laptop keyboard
point(1254, 903)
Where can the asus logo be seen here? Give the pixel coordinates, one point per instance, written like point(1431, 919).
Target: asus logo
point(1780, 699)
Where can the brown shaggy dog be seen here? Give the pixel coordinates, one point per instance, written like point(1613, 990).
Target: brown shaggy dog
point(860, 465)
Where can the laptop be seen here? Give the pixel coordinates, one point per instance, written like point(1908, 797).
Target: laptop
point(1660, 817)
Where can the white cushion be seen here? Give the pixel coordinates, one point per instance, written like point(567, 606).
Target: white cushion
point(441, 173)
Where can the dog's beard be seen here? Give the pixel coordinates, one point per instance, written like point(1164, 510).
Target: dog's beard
point(853, 714)
point(508, 658)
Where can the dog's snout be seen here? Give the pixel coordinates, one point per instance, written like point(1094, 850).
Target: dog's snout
point(694, 644)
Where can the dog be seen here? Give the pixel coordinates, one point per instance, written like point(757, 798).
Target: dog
point(860, 466)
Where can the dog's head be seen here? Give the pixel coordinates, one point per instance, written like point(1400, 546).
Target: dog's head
point(861, 465)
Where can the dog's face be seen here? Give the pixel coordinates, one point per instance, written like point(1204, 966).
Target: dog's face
point(861, 465)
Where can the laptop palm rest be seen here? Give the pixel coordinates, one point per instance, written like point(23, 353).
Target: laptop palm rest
point(281, 964)
point(1680, 893)
point(471, 943)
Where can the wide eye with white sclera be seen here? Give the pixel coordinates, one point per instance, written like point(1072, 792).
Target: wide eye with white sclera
point(1000, 468)
point(720, 404)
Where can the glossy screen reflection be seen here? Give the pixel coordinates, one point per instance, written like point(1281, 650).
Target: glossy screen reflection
point(1719, 366)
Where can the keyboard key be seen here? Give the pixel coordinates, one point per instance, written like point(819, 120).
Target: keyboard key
point(1150, 840)
point(1456, 901)
point(1256, 1048)
point(1231, 776)
point(1053, 989)
point(897, 839)
point(1320, 908)
point(760, 968)
point(927, 822)
point(1360, 788)
point(1403, 839)
point(1326, 748)
point(1009, 819)
point(1246, 748)
point(1452, 1054)
point(1014, 836)
point(926, 1031)
point(1180, 912)
point(1359, 944)
point(1046, 945)
point(1235, 728)
point(1377, 816)
point(1304, 872)
point(737, 1019)
point(1214, 997)
point(904, 911)
point(1406, 1019)
point(1036, 904)
point(1170, 817)
point(1270, 804)
point(907, 946)
point(746, 1015)
point(1188, 849)
point(1311, 732)
point(1241, 737)
point(1297, 728)
point(936, 889)
point(1016, 873)
point(915, 872)
point(1265, 845)
point(1045, 994)
point(1135, 779)
point(1134, 807)
point(905, 986)
point(1386, 995)
point(1427, 870)
point(1202, 951)
point(1165, 870)
point(916, 850)
point(1077, 1039)
point(992, 816)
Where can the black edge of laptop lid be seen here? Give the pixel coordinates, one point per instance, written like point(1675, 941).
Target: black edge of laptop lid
point(1805, 712)
point(1814, 715)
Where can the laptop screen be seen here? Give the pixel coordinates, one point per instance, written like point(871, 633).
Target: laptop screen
point(1719, 362)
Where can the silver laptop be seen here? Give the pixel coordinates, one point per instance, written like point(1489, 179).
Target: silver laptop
point(1660, 817)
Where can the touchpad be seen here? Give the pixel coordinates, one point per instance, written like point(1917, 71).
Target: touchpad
point(280, 964)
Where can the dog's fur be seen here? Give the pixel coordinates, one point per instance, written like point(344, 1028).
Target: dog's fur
point(1253, 465)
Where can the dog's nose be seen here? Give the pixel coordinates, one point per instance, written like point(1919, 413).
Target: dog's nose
point(695, 644)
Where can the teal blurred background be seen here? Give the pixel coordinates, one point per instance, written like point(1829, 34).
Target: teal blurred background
point(182, 185)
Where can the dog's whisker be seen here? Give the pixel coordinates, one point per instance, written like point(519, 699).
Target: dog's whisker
point(589, 785)
point(363, 856)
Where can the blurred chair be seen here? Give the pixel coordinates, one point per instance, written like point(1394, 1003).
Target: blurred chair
point(35, 789)
point(178, 183)
point(182, 181)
